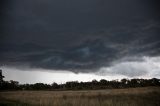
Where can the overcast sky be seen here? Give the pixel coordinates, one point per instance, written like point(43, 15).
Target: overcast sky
point(90, 39)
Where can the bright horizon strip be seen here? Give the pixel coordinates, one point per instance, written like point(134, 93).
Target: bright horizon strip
point(60, 77)
point(32, 76)
point(148, 68)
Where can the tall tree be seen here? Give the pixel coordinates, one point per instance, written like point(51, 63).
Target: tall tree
point(1, 76)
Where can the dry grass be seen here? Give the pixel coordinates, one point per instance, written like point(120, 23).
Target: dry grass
point(149, 96)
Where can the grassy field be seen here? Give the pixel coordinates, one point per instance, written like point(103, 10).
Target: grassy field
point(148, 96)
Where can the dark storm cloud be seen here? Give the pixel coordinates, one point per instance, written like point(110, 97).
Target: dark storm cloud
point(77, 35)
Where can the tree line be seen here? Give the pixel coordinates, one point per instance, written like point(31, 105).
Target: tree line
point(75, 85)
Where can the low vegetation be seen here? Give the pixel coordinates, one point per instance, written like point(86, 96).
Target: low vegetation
point(146, 96)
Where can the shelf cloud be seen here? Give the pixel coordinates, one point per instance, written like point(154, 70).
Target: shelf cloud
point(81, 36)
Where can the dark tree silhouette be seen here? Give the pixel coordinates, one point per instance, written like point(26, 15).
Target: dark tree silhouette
point(55, 85)
point(1, 79)
point(1, 76)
